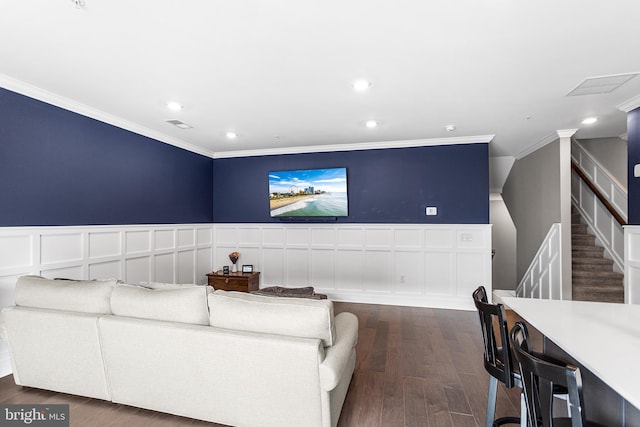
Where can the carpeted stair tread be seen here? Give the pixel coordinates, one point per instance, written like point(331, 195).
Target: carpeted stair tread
point(592, 276)
point(599, 297)
point(586, 248)
point(579, 228)
point(583, 238)
point(593, 260)
point(586, 254)
point(602, 274)
point(604, 283)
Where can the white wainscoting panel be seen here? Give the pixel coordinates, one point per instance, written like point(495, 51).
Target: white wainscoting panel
point(131, 253)
point(632, 264)
point(543, 278)
point(602, 224)
point(413, 265)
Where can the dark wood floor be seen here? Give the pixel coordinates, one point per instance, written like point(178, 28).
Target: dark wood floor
point(415, 367)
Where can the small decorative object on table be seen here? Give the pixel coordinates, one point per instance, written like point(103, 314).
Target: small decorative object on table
point(247, 268)
point(233, 256)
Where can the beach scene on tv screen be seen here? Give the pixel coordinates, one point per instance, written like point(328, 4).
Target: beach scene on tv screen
point(308, 193)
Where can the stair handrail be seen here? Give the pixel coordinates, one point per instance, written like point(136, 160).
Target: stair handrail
point(596, 191)
point(608, 185)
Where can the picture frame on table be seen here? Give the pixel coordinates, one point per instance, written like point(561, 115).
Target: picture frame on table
point(247, 268)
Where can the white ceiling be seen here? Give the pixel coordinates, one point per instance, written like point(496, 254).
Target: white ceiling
point(279, 72)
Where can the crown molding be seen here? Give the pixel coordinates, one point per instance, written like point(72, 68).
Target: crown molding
point(40, 94)
point(566, 133)
point(479, 139)
point(43, 95)
point(562, 133)
point(630, 104)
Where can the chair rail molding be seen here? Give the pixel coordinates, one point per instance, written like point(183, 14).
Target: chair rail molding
point(543, 278)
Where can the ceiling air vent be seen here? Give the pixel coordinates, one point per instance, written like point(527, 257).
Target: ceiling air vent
point(178, 123)
point(603, 84)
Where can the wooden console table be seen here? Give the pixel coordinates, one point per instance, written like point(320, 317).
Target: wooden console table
point(241, 282)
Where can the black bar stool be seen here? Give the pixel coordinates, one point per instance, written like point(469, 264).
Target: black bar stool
point(540, 374)
point(497, 358)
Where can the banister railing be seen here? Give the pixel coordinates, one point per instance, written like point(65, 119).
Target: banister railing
point(596, 191)
point(601, 201)
point(543, 278)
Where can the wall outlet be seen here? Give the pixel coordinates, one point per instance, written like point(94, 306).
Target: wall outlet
point(466, 237)
point(431, 210)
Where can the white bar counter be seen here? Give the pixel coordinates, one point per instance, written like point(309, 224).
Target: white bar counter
point(603, 337)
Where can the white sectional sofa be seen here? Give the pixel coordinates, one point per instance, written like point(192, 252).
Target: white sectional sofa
point(227, 357)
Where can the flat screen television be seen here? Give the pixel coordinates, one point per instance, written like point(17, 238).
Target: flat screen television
point(308, 193)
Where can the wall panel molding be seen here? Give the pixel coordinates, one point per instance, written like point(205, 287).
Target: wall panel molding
point(130, 253)
point(413, 265)
point(543, 279)
point(632, 264)
point(425, 265)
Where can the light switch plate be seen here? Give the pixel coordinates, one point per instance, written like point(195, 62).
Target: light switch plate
point(636, 171)
point(432, 210)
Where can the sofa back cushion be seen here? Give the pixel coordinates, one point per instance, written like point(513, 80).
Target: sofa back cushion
point(84, 296)
point(298, 317)
point(186, 304)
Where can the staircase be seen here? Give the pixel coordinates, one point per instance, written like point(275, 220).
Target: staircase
point(593, 278)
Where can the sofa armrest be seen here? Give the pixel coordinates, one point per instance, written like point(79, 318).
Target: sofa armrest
point(337, 356)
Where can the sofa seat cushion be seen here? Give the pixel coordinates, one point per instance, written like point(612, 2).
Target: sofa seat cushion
point(297, 317)
point(84, 296)
point(186, 304)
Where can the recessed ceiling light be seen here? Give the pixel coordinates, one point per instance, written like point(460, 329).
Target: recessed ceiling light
point(231, 135)
point(589, 120)
point(175, 106)
point(371, 124)
point(450, 128)
point(361, 85)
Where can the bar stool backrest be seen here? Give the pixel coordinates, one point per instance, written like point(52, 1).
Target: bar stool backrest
point(539, 375)
point(497, 355)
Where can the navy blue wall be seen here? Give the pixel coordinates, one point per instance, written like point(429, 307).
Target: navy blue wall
point(633, 143)
point(384, 186)
point(61, 168)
